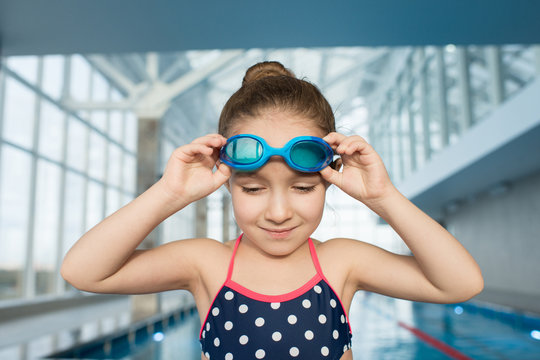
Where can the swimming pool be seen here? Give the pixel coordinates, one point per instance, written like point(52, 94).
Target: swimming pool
point(383, 328)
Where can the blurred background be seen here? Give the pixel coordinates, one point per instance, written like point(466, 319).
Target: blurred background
point(94, 96)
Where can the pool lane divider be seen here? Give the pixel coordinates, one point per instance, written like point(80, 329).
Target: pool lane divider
point(437, 344)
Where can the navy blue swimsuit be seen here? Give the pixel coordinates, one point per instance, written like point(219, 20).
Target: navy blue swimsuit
point(308, 323)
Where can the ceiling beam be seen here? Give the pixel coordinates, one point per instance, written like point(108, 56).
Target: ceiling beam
point(30, 27)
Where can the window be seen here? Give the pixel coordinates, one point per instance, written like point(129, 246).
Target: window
point(14, 202)
point(47, 211)
point(19, 111)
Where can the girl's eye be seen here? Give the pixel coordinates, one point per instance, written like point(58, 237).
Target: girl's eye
point(305, 189)
point(250, 190)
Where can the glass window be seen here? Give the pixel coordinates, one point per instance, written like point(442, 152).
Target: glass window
point(77, 138)
point(46, 225)
point(19, 106)
point(100, 87)
point(14, 202)
point(434, 99)
point(80, 78)
point(25, 66)
point(96, 158)
point(99, 119)
point(51, 131)
point(115, 166)
point(94, 204)
point(53, 75)
point(116, 125)
point(113, 201)
point(129, 177)
point(73, 209)
point(130, 132)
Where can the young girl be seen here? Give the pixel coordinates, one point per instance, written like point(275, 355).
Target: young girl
point(274, 293)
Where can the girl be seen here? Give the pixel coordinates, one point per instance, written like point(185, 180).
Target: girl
point(274, 293)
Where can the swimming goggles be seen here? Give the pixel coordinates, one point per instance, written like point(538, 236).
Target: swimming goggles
point(248, 152)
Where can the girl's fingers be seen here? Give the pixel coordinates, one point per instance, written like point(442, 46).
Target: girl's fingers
point(190, 151)
point(221, 175)
point(334, 139)
point(214, 140)
point(332, 176)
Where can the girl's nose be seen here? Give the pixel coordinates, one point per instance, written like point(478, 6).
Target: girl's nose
point(278, 209)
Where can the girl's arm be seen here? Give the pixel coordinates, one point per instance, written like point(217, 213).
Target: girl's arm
point(441, 269)
point(105, 259)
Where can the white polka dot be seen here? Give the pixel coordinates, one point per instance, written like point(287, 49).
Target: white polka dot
point(294, 351)
point(215, 311)
point(243, 308)
point(207, 355)
point(309, 335)
point(333, 303)
point(259, 354)
point(306, 303)
point(229, 295)
point(325, 351)
point(292, 319)
point(243, 339)
point(275, 306)
point(322, 319)
point(345, 348)
point(259, 322)
point(216, 342)
point(229, 356)
point(276, 336)
point(228, 325)
point(207, 326)
point(335, 334)
point(203, 334)
point(317, 289)
point(343, 319)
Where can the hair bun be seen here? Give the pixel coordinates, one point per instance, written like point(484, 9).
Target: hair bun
point(265, 69)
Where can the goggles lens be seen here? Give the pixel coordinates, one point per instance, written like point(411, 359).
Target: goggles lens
point(308, 154)
point(304, 153)
point(244, 150)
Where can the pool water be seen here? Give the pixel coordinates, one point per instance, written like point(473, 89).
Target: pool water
point(383, 328)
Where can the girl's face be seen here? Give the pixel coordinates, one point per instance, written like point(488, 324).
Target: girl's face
point(277, 207)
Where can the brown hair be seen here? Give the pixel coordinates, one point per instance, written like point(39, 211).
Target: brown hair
point(269, 85)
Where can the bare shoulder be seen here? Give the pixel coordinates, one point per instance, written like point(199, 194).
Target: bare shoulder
point(348, 252)
point(201, 249)
point(340, 245)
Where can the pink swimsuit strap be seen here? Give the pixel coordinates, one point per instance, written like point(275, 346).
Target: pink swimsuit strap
point(312, 251)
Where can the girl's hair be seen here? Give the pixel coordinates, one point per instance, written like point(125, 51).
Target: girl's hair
point(270, 86)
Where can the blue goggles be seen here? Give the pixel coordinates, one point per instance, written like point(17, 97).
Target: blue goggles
point(248, 152)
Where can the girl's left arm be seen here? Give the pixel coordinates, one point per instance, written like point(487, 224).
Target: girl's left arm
point(440, 270)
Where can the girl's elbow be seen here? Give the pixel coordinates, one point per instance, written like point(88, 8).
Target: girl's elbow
point(71, 277)
point(478, 286)
point(470, 290)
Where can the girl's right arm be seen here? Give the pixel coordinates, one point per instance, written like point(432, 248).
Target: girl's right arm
point(105, 259)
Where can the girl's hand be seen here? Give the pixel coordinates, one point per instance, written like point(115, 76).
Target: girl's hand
point(364, 176)
point(189, 174)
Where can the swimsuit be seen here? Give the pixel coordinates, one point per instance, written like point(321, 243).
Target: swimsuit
point(308, 323)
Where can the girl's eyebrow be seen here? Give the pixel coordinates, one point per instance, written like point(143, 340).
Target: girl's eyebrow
point(246, 174)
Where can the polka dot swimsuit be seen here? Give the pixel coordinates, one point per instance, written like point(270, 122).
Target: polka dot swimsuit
point(308, 323)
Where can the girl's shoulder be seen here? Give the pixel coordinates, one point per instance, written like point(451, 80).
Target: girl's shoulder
point(342, 250)
point(206, 257)
point(339, 244)
point(202, 247)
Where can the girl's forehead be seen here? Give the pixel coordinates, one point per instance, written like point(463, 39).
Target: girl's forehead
point(277, 129)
